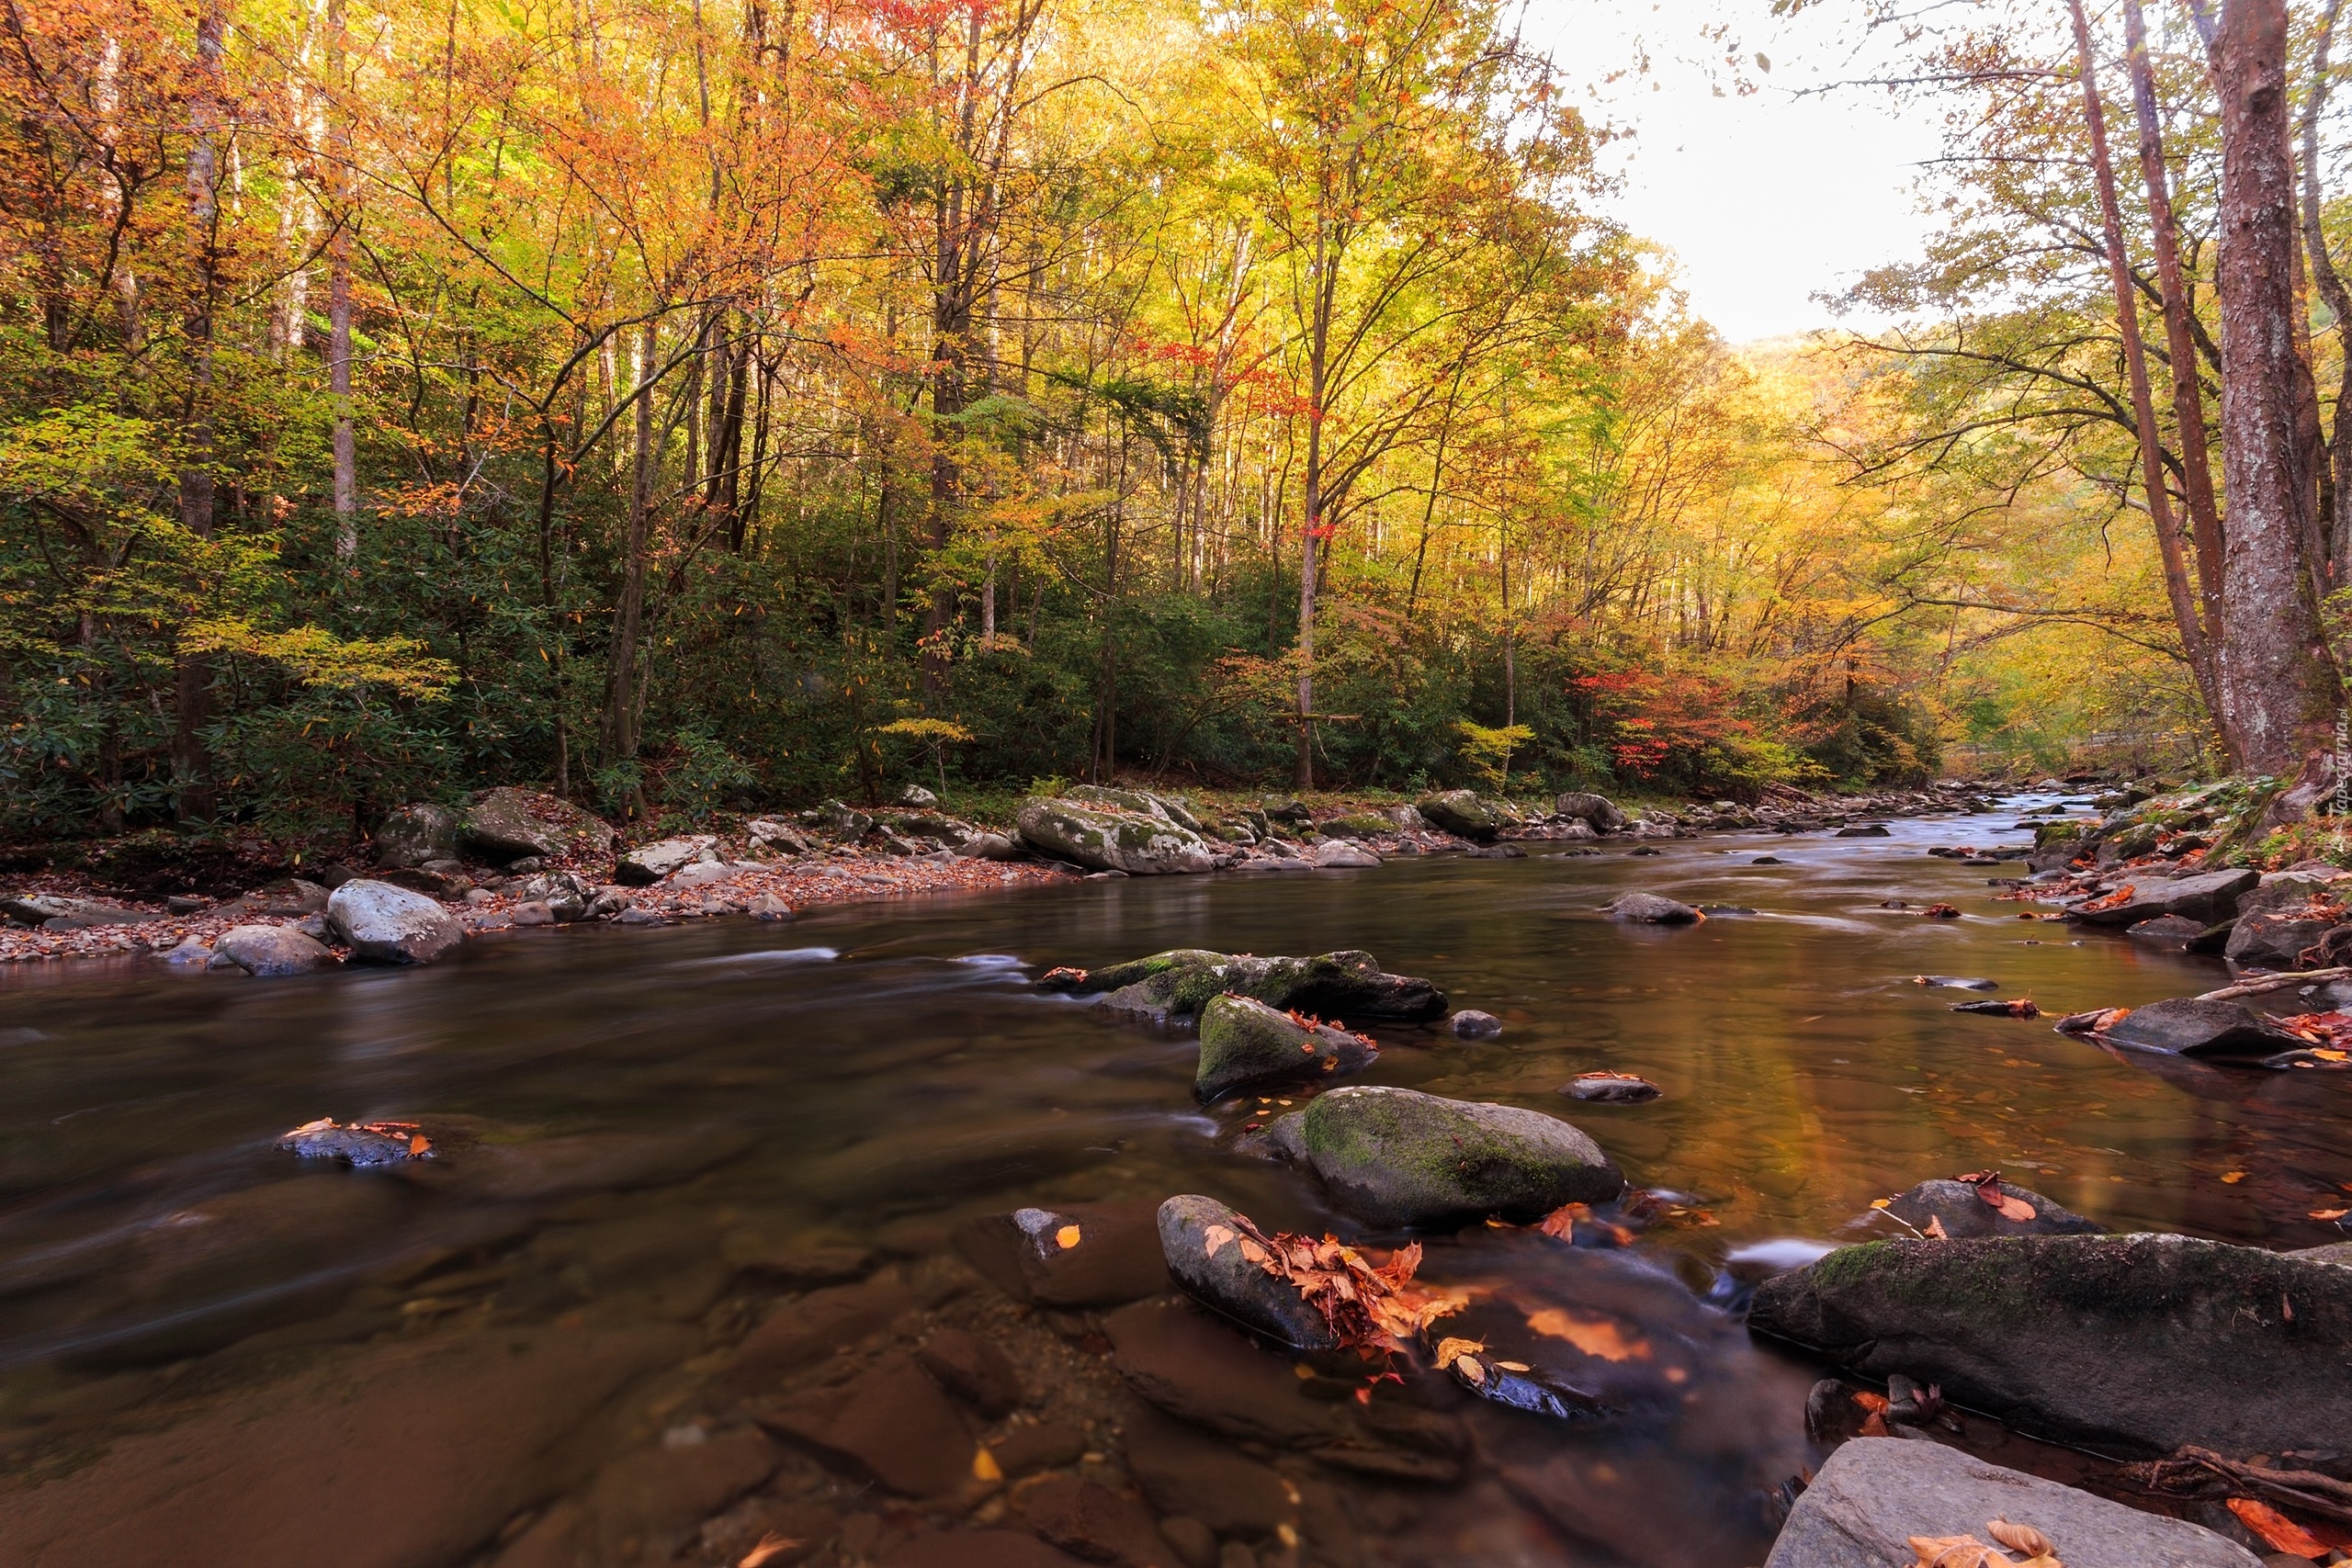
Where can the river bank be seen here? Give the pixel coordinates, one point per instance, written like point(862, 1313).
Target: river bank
point(553, 865)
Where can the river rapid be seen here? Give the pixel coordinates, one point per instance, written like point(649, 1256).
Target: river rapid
point(203, 1340)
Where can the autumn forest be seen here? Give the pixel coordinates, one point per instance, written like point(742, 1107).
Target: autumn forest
point(683, 404)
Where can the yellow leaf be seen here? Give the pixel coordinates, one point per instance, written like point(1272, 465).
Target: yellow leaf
point(1593, 1336)
point(1452, 1350)
point(2230, 1178)
point(1882, 1202)
point(984, 1466)
point(1066, 1238)
point(1218, 1236)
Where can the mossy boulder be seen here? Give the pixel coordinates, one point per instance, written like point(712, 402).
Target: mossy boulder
point(1461, 813)
point(1357, 825)
point(1145, 801)
point(509, 824)
point(1107, 834)
point(2134, 1343)
point(1246, 1044)
point(1399, 1157)
point(1173, 987)
point(412, 835)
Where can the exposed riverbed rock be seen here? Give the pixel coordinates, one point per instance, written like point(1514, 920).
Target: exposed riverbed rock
point(1399, 1157)
point(1597, 811)
point(1075, 1255)
point(1960, 1210)
point(1873, 1496)
point(1336, 854)
point(1200, 1239)
point(1461, 813)
point(271, 950)
point(2208, 897)
point(1244, 1044)
point(649, 863)
point(511, 824)
point(2137, 1343)
point(1472, 1024)
point(1652, 909)
point(55, 911)
point(1102, 836)
point(383, 924)
point(411, 835)
point(1173, 987)
point(2191, 1026)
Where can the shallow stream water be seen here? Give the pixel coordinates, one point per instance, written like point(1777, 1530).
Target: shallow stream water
point(621, 1109)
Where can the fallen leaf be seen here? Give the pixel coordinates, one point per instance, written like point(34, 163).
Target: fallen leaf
point(1935, 1231)
point(1066, 1238)
point(984, 1466)
point(1561, 1222)
point(1594, 1336)
point(2021, 1538)
point(1452, 1350)
point(2330, 1214)
point(1954, 1551)
point(2276, 1530)
point(2231, 1178)
point(1882, 1202)
point(1873, 1403)
point(771, 1547)
point(1469, 1367)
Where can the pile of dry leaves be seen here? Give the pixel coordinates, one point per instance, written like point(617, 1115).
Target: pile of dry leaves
point(1367, 1306)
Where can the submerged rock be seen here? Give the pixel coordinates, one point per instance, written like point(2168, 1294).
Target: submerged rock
point(1178, 983)
point(1873, 1496)
point(1398, 1157)
point(361, 1144)
point(1652, 909)
point(1212, 1271)
point(1247, 1045)
point(2191, 1026)
point(271, 950)
point(1104, 835)
point(1072, 1256)
point(514, 823)
point(1868, 830)
point(2137, 1342)
point(383, 924)
point(890, 1423)
point(1472, 1024)
point(1461, 813)
point(1959, 1208)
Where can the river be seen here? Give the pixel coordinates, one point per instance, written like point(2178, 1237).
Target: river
point(630, 1115)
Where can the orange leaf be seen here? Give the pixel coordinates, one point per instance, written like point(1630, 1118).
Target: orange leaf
point(2231, 1178)
point(2276, 1530)
point(1935, 1231)
point(1594, 1336)
point(771, 1546)
point(1066, 1238)
point(2330, 1214)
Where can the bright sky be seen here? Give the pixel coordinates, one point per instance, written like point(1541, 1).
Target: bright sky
point(1765, 200)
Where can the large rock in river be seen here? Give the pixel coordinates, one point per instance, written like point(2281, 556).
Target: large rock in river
point(271, 950)
point(1201, 1240)
point(2138, 1343)
point(1960, 1210)
point(1652, 909)
point(2191, 1026)
point(2209, 897)
point(509, 824)
point(1874, 1494)
point(1247, 1045)
point(384, 924)
point(1461, 813)
point(1178, 983)
point(1396, 1156)
point(1107, 836)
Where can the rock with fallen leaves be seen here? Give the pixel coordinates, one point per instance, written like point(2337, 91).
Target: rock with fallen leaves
point(1981, 1204)
point(1652, 910)
point(361, 1142)
point(1244, 1044)
point(1173, 987)
point(509, 824)
point(1399, 1157)
point(2193, 1026)
point(2133, 1342)
point(2206, 896)
point(1873, 1499)
point(1307, 1294)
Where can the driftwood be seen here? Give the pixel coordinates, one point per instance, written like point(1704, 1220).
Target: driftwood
point(2195, 1470)
point(2262, 983)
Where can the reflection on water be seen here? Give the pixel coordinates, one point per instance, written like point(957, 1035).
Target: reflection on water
point(617, 1108)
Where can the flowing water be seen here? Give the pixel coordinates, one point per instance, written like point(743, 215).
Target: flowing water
point(621, 1108)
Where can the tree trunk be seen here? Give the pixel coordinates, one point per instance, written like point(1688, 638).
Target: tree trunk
point(2279, 685)
point(2127, 321)
point(347, 460)
point(2330, 284)
point(192, 677)
point(2180, 341)
point(621, 704)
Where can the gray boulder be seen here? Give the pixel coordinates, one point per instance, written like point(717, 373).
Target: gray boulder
point(70, 914)
point(2337, 1252)
point(1338, 854)
point(922, 799)
point(1105, 836)
point(1597, 811)
point(2275, 941)
point(1226, 1282)
point(1244, 1044)
point(1867, 831)
point(2189, 1026)
point(2208, 897)
point(271, 950)
point(777, 838)
point(566, 896)
point(1472, 1024)
point(2137, 1342)
point(649, 863)
point(383, 924)
point(1398, 1157)
point(2167, 930)
point(1166, 806)
point(411, 835)
point(515, 824)
point(1610, 1089)
point(1461, 813)
point(1875, 1494)
point(1963, 1213)
point(1176, 984)
point(1652, 909)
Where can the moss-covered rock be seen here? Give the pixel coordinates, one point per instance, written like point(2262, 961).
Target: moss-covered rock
point(1246, 1044)
point(1106, 835)
point(2140, 1343)
point(1175, 986)
point(1461, 813)
point(509, 824)
point(1395, 1156)
point(1357, 825)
